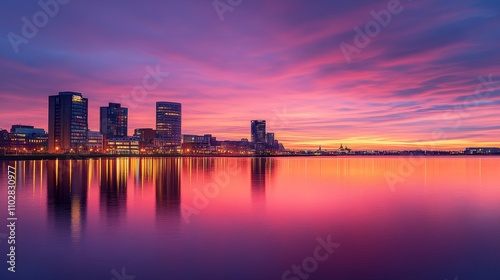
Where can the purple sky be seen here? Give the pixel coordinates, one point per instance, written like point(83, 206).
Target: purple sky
point(429, 78)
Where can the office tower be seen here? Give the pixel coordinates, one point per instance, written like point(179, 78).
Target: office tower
point(4, 139)
point(114, 120)
point(68, 122)
point(168, 123)
point(258, 131)
point(270, 138)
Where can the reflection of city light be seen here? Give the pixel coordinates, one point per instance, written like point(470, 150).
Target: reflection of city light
point(76, 217)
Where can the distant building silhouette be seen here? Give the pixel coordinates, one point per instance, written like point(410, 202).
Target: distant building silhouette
point(258, 131)
point(482, 151)
point(344, 150)
point(68, 122)
point(270, 138)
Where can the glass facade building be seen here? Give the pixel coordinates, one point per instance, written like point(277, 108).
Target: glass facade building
point(114, 121)
point(258, 131)
point(68, 122)
point(168, 124)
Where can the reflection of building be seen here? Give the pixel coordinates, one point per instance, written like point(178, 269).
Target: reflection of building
point(67, 122)
point(67, 196)
point(168, 125)
point(262, 169)
point(123, 146)
point(95, 142)
point(113, 187)
point(113, 121)
point(27, 139)
point(168, 186)
point(258, 177)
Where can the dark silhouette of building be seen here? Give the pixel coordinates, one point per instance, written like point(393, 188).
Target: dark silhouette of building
point(270, 138)
point(258, 131)
point(168, 125)
point(114, 121)
point(68, 122)
point(4, 141)
point(482, 151)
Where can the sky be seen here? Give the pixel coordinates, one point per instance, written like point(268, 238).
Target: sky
point(369, 74)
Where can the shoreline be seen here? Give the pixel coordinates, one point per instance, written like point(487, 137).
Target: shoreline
point(97, 156)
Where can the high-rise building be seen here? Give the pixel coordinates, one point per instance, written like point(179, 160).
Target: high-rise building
point(68, 122)
point(258, 131)
point(114, 120)
point(270, 138)
point(4, 139)
point(168, 124)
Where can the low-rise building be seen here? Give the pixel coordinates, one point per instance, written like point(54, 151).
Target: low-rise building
point(25, 139)
point(146, 142)
point(123, 146)
point(95, 142)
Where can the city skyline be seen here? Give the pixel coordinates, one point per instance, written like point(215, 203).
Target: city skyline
point(173, 114)
point(313, 73)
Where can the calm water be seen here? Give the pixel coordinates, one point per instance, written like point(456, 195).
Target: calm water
point(255, 218)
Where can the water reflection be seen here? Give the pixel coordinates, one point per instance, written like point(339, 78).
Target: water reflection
point(168, 188)
point(261, 172)
point(67, 197)
point(419, 230)
point(113, 189)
